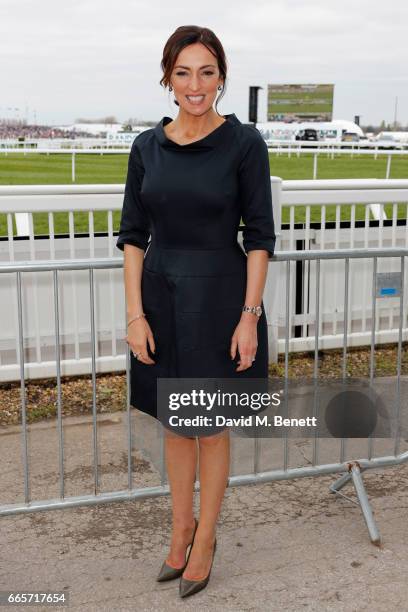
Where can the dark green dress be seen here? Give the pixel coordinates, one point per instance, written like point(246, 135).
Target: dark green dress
point(189, 199)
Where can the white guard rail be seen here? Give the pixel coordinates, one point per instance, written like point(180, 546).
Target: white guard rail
point(373, 231)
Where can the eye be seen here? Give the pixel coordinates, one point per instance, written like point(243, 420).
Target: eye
point(206, 72)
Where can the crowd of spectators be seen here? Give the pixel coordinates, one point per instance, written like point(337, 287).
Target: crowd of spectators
point(38, 131)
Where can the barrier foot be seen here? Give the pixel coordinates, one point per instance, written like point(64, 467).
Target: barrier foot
point(342, 481)
point(354, 474)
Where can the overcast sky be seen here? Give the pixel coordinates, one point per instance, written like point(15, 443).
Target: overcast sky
point(85, 58)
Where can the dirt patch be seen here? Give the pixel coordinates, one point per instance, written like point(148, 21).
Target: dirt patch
point(76, 391)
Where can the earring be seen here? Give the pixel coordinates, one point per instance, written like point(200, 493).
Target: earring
point(219, 87)
point(170, 88)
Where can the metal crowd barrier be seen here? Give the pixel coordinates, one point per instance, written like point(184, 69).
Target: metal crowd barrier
point(350, 469)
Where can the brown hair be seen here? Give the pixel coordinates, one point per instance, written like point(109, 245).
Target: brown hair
point(188, 35)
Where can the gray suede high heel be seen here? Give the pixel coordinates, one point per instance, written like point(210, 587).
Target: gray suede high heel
point(169, 573)
point(189, 587)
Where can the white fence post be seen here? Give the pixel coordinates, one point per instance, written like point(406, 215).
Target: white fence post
point(272, 279)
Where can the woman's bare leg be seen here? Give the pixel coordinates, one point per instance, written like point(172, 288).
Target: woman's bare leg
point(181, 461)
point(214, 465)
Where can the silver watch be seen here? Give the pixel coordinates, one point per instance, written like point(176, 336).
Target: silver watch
point(256, 310)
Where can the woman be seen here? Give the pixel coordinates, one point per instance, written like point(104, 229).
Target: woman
point(194, 300)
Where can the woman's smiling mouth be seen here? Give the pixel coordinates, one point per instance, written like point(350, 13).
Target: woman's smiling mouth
point(195, 99)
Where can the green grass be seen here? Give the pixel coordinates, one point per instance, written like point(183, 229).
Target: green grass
point(341, 167)
point(43, 169)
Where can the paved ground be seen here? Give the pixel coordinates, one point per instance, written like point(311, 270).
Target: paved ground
point(284, 545)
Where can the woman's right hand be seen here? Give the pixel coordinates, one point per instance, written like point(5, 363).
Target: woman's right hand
point(138, 333)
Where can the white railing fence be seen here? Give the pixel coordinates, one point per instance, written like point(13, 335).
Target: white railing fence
point(289, 197)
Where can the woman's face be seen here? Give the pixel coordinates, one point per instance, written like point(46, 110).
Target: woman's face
point(195, 79)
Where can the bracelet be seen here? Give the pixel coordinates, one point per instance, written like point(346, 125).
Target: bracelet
point(256, 310)
point(139, 316)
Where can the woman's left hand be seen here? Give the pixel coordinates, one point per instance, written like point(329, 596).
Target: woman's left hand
point(245, 338)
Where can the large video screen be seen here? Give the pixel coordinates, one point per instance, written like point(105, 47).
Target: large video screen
point(300, 102)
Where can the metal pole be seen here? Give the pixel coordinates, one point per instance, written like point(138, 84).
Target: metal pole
point(59, 395)
point(22, 388)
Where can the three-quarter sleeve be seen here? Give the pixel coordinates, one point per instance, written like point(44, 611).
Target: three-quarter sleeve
point(255, 195)
point(134, 224)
